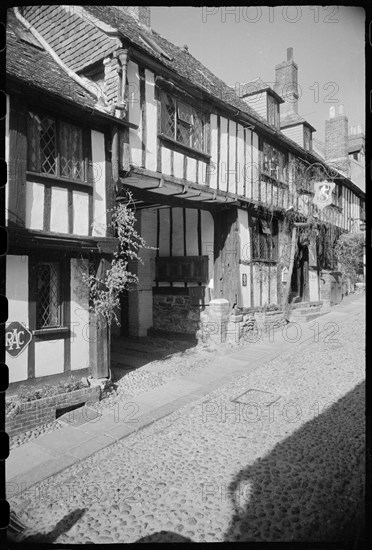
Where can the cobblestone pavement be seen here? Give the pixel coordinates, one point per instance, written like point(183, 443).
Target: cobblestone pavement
point(276, 455)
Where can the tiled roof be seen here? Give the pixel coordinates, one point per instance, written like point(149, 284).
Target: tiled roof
point(258, 85)
point(293, 118)
point(182, 62)
point(35, 67)
point(75, 39)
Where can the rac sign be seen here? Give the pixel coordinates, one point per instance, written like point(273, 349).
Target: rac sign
point(17, 338)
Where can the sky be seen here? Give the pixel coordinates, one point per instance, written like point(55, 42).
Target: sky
point(240, 43)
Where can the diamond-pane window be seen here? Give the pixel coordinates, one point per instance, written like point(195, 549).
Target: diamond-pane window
point(46, 154)
point(71, 151)
point(47, 305)
point(274, 162)
point(42, 152)
point(182, 122)
point(264, 240)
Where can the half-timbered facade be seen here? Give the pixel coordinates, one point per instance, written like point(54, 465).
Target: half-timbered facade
point(214, 173)
point(57, 200)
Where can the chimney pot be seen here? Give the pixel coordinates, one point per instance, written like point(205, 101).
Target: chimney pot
point(289, 54)
point(341, 110)
point(359, 129)
point(332, 112)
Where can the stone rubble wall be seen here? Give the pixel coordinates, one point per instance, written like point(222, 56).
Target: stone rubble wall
point(174, 313)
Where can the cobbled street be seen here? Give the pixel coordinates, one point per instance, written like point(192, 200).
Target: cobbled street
point(276, 455)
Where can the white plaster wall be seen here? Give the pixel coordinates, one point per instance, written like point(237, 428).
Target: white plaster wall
point(134, 113)
point(79, 312)
point(165, 160)
point(214, 149)
point(151, 121)
point(59, 210)
point(99, 184)
point(207, 231)
point(178, 164)
point(202, 174)
point(248, 166)
point(49, 357)
point(17, 294)
point(80, 202)
point(223, 154)
point(232, 157)
point(34, 205)
point(240, 160)
point(313, 286)
point(191, 169)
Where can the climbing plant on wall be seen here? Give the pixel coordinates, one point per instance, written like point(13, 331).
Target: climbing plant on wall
point(105, 288)
point(349, 253)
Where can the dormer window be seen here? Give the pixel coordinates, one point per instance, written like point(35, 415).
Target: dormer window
point(273, 111)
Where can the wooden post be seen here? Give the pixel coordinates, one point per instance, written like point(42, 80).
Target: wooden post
point(290, 270)
point(99, 345)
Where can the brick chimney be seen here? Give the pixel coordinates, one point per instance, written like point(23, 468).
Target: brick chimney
point(336, 140)
point(142, 14)
point(286, 84)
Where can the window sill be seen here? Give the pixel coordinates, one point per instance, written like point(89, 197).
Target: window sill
point(185, 148)
point(46, 178)
point(274, 181)
point(249, 262)
point(53, 333)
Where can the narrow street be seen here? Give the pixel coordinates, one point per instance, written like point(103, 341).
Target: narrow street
point(275, 455)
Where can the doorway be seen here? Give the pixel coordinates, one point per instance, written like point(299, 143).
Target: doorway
point(300, 275)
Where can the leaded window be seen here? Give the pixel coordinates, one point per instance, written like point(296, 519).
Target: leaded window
point(274, 162)
point(55, 147)
point(264, 240)
point(48, 311)
point(182, 122)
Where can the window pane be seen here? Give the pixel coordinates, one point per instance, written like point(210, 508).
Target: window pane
point(42, 144)
point(168, 113)
point(185, 112)
point(47, 306)
point(198, 132)
point(71, 151)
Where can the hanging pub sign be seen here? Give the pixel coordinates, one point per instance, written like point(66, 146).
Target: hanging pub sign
point(17, 338)
point(323, 193)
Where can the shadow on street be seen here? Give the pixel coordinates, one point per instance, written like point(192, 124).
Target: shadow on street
point(311, 486)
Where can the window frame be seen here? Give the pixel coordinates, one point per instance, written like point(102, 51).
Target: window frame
point(179, 122)
point(60, 308)
point(59, 122)
point(283, 177)
point(257, 235)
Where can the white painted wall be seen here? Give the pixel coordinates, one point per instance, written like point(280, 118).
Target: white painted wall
point(79, 312)
point(207, 231)
point(178, 164)
point(80, 208)
point(240, 169)
point(49, 357)
point(134, 114)
point(151, 121)
point(99, 184)
point(34, 205)
point(213, 151)
point(232, 157)
point(17, 294)
point(244, 254)
point(59, 210)
point(223, 154)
